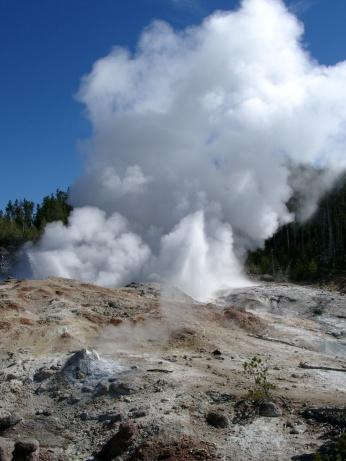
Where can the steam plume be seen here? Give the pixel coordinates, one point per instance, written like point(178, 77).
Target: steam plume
point(194, 138)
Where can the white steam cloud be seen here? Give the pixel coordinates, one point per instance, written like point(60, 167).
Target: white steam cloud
point(194, 137)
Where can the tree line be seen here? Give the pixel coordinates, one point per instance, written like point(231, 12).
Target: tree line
point(23, 220)
point(312, 250)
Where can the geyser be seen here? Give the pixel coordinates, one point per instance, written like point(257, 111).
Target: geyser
point(194, 138)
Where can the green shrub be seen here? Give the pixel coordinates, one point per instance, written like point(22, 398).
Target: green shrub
point(256, 370)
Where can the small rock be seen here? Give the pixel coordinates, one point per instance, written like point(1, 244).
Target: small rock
point(87, 389)
point(7, 421)
point(217, 353)
point(72, 400)
point(269, 410)
point(218, 397)
point(111, 417)
point(217, 420)
point(118, 389)
point(55, 367)
point(118, 444)
point(101, 388)
point(42, 374)
point(15, 386)
point(26, 450)
point(43, 413)
point(112, 304)
point(138, 414)
point(294, 431)
point(43, 387)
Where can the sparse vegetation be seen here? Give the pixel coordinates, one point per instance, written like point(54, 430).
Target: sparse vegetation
point(256, 370)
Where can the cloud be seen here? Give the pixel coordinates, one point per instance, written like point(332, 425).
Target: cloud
point(299, 7)
point(195, 138)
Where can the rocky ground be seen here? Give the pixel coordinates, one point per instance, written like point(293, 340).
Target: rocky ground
point(147, 373)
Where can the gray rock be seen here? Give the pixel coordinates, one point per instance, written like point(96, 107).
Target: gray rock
point(118, 389)
point(86, 389)
point(7, 421)
point(72, 400)
point(111, 417)
point(294, 431)
point(118, 444)
point(26, 450)
point(113, 305)
point(102, 388)
point(138, 414)
point(269, 409)
point(87, 365)
point(42, 374)
point(81, 363)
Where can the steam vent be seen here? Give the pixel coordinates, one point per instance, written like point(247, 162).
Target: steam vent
point(173, 230)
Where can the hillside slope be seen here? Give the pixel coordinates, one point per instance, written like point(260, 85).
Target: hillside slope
point(161, 376)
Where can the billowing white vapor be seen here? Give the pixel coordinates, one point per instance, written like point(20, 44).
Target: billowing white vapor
point(194, 138)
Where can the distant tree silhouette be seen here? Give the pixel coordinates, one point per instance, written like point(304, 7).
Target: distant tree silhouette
point(22, 220)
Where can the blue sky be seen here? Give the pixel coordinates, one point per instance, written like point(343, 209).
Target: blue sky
point(47, 45)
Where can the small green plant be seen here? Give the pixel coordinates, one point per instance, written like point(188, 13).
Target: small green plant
point(256, 370)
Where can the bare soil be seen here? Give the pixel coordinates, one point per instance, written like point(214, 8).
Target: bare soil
point(163, 362)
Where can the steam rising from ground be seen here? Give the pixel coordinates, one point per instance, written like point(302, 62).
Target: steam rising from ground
point(194, 138)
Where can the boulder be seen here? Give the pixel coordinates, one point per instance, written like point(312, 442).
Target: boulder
point(42, 374)
point(118, 444)
point(269, 410)
point(26, 450)
point(87, 365)
point(8, 420)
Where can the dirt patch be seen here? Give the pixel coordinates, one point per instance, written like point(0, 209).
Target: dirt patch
point(244, 319)
point(183, 337)
point(184, 449)
point(94, 318)
point(10, 305)
point(115, 322)
point(27, 321)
